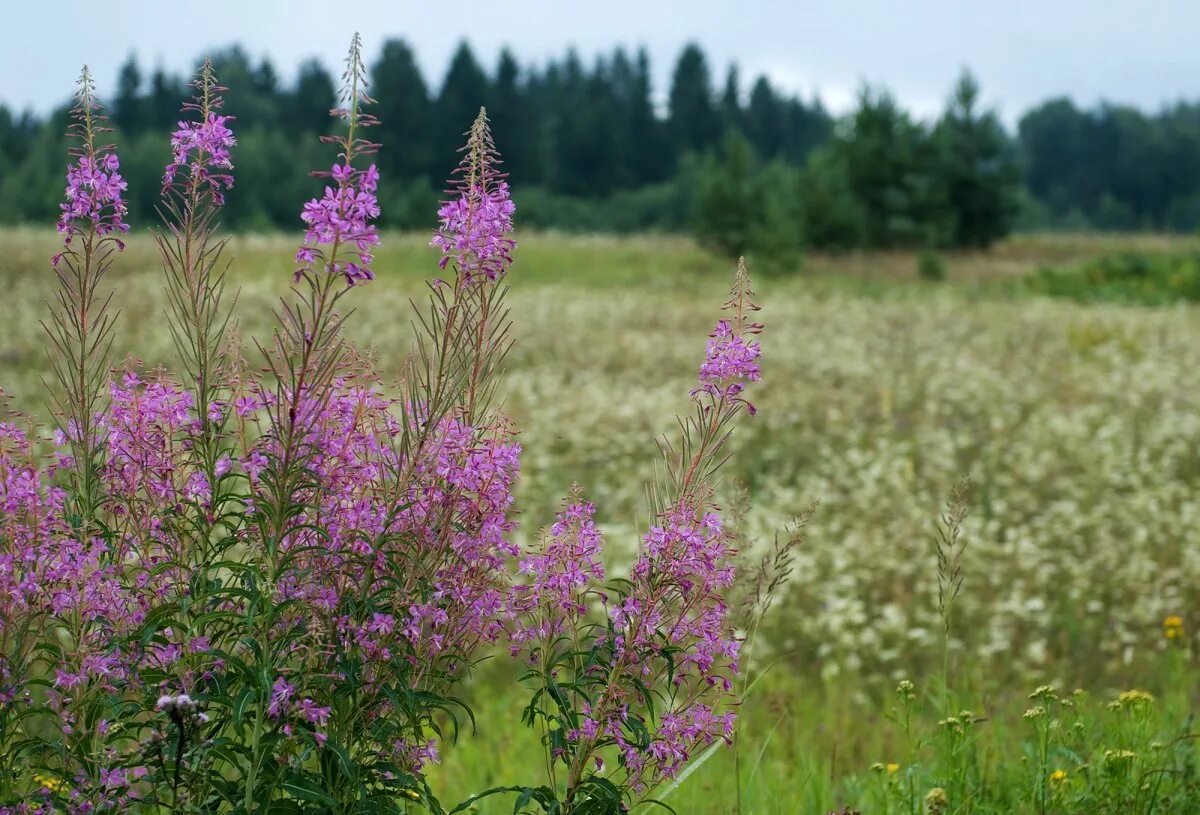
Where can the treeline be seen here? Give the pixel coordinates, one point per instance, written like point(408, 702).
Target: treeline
point(745, 166)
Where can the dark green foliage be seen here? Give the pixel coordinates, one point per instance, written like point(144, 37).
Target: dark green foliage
point(464, 91)
point(129, 106)
point(978, 167)
point(832, 215)
point(586, 139)
point(1115, 166)
point(883, 180)
point(507, 110)
point(695, 123)
point(744, 207)
point(405, 114)
point(662, 207)
point(891, 167)
point(311, 101)
point(1124, 278)
point(931, 267)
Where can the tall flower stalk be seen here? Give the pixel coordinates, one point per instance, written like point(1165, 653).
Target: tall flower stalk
point(628, 693)
point(336, 255)
point(194, 184)
point(92, 225)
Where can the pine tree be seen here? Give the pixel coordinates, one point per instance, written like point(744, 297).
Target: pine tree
point(128, 105)
point(312, 99)
point(405, 114)
point(889, 160)
point(162, 103)
point(650, 161)
point(464, 91)
point(507, 111)
point(694, 124)
point(731, 102)
point(765, 119)
point(977, 168)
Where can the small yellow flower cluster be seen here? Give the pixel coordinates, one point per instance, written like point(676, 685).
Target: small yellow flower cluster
point(960, 722)
point(1173, 627)
point(1045, 694)
point(48, 782)
point(936, 801)
point(1115, 758)
point(1035, 712)
point(1132, 700)
point(1058, 777)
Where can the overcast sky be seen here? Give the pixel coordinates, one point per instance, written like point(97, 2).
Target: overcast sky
point(1022, 51)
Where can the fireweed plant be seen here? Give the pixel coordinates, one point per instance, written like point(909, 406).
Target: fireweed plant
point(242, 588)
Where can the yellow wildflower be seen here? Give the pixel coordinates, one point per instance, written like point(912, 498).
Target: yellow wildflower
point(1114, 758)
point(1135, 698)
point(1173, 626)
point(51, 783)
point(1058, 776)
point(936, 801)
point(1045, 693)
point(892, 768)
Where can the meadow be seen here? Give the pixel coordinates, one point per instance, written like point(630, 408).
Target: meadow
point(1077, 425)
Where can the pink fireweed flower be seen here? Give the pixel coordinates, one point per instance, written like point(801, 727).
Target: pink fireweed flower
point(94, 197)
point(731, 356)
point(562, 570)
point(200, 150)
point(729, 362)
point(668, 628)
point(342, 217)
point(477, 221)
point(281, 697)
point(474, 232)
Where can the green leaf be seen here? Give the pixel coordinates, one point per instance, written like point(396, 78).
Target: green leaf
point(306, 790)
point(239, 708)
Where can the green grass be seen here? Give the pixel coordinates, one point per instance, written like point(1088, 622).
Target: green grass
point(810, 747)
point(1078, 423)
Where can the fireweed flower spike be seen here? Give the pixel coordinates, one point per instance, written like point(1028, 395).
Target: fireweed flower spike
point(666, 633)
point(730, 360)
point(477, 219)
point(201, 169)
point(474, 238)
point(200, 150)
point(80, 329)
point(94, 197)
point(292, 464)
point(342, 217)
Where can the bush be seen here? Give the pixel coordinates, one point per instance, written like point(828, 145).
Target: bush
point(931, 267)
point(1127, 277)
point(743, 207)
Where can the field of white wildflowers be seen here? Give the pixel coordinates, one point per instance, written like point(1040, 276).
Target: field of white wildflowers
point(1079, 427)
